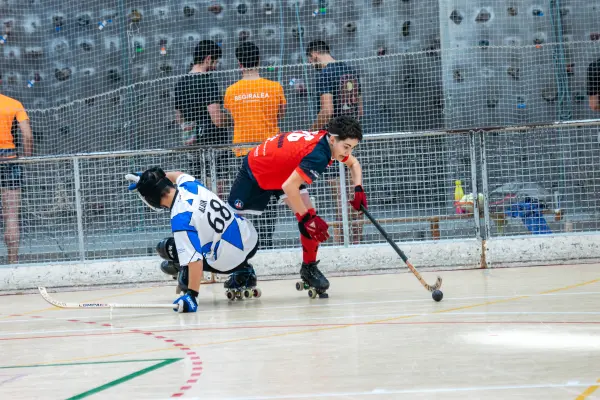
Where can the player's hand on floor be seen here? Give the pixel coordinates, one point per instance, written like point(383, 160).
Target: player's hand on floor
point(187, 302)
point(313, 227)
point(360, 198)
point(133, 180)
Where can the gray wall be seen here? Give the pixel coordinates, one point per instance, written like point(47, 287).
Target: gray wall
point(93, 111)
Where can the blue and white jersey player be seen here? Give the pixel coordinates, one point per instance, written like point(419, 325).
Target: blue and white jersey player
point(207, 235)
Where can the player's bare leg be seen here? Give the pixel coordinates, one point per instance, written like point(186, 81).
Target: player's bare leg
point(11, 201)
point(312, 278)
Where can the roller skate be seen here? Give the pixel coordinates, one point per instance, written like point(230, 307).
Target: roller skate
point(313, 280)
point(241, 284)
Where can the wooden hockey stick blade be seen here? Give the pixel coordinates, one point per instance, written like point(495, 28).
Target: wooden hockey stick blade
point(436, 286)
point(62, 304)
point(438, 282)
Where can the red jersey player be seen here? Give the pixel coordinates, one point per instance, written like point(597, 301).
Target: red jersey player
point(282, 166)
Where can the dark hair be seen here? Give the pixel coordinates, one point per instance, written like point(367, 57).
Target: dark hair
point(248, 55)
point(317, 46)
point(206, 48)
point(153, 185)
point(345, 127)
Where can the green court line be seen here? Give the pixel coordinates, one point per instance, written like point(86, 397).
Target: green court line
point(90, 363)
point(126, 378)
point(163, 362)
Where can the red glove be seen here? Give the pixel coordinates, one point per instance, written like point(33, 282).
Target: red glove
point(360, 198)
point(313, 227)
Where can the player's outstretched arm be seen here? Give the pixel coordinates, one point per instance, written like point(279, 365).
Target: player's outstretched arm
point(355, 170)
point(196, 269)
point(188, 301)
point(360, 197)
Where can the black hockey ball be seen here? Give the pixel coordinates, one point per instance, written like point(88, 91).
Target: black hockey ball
point(437, 295)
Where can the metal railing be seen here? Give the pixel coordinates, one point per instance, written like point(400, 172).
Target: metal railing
point(76, 208)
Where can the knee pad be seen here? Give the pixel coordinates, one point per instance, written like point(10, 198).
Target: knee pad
point(166, 250)
point(170, 268)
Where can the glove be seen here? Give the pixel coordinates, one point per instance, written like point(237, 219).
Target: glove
point(187, 302)
point(360, 198)
point(313, 227)
point(133, 180)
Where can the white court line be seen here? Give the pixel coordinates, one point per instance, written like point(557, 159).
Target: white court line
point(225, 324)
point(311, 305)
point(387, 392)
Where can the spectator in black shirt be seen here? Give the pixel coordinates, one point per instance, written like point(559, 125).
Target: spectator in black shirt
point(198, 107)
point(338, 86)
point(198, 102)
point(593, 85)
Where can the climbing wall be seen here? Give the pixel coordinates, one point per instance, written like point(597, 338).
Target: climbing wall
point(99, 76)
point(522, 62)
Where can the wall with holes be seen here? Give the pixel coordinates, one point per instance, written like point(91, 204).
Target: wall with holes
point(81, 56)
point(519, 62)
point(500, 62)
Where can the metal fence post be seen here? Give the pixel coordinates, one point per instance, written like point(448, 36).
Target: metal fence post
point(213, 171)
point(344, 201)
point(78, 207)
point(485, 189)
point(473, 156)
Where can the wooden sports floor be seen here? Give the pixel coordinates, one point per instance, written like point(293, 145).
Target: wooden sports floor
point(521, 333)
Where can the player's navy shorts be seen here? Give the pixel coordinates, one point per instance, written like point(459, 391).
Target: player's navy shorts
point(246, 195)
point(10, 176)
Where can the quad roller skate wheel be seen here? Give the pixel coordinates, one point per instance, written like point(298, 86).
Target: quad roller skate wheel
point(238, 294)
point(230, 295)
point(299, 286)
point(256, 292)
point(312, 293)
point(247, 293)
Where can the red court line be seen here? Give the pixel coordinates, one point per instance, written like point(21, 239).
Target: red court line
point(187, 329)
point(190, 354)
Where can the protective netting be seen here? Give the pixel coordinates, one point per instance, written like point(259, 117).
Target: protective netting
point(78, 207)
point(102, 76)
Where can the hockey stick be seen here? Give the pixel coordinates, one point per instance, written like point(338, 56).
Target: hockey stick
point(62, 304)
point(438, 282)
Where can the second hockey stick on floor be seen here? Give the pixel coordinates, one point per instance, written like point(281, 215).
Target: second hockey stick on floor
point(62, 304)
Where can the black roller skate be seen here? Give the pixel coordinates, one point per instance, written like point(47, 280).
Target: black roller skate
point(313, 280)
point(241, 284)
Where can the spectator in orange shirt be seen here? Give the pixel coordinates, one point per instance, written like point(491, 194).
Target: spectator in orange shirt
point(256, 106)
point(10, 173)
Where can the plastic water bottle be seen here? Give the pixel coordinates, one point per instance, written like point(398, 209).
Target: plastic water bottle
point(458, 195)
point(102, 24)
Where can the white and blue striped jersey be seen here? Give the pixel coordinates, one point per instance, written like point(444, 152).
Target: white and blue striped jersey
point(205, 227)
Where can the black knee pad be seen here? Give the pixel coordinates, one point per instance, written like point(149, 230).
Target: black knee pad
point(167, 250)
point(170, 268)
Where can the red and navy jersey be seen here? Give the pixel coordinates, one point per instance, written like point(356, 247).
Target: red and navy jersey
point(273, 161)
